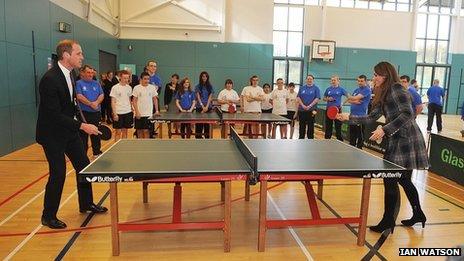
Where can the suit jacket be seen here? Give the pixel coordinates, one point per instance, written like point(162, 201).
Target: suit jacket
point(405, 142)
point(55, 122)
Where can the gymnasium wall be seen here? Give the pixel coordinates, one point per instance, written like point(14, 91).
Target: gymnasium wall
point(18, 111)
point(237, 61)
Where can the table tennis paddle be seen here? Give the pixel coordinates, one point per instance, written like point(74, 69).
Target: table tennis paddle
point(105, 132)
point(231, 108)
point(332, 112)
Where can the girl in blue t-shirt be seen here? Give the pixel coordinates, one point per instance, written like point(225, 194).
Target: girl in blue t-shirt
point(185, 102)
point(204, 95)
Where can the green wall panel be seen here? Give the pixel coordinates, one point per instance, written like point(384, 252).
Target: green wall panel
point(58, 14)
point(20, 74)
point(231, 55)
point(107, 42)
point(134, 56)
point(261, 56)
point(87, 35)
point(23, 119)
point(364, 59)
point(5, 97)
point(41, 62)
point(5, 131)
point(2, 20)
point(164, 51)
point(405, 60)
point(23, 17)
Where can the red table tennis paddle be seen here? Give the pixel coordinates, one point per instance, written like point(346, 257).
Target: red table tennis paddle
point(332, 112)
point(231, 108)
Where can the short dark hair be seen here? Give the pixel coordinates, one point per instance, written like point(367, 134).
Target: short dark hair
point(143, 74)
point(405, 77)
point(362, 76)
point(229, 81)
point(64, 46)
point(279, 79)
point(266, 85)
point(413, 81)
point(175, 76)
point(291, 84)
point(312, 76)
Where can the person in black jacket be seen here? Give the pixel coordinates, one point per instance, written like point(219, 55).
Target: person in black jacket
point(58, 133)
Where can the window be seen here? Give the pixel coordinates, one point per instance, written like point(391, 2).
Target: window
point(433, 31)
point(288, 40)
point(393, 5)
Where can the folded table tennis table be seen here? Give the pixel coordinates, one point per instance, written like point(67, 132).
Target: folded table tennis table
point(257, 160)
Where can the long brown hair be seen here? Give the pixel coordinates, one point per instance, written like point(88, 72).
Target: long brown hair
point(181, 89)
point(388, 71)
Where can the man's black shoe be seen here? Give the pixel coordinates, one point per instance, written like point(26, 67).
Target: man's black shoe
point(53, 223)
point(93, 209)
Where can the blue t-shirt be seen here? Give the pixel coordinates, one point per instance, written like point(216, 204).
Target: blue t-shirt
point(361, 109)
point(204, 94)
point(336, 93)
point(91, 90)
point(307, 94)
point(156, 80)
point(186, 99)
point(416, 98)
point(435, 94)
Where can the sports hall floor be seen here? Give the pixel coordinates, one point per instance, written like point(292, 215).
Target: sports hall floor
point(23, 175)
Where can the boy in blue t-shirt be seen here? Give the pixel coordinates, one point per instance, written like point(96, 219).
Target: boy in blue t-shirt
point(307, 98)
point(359, 103)
point(185, 102)
point(333, 97)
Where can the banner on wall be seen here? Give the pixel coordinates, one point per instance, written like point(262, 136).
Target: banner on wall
point(447, 158)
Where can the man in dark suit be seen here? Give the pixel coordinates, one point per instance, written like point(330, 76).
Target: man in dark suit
point(58, 133)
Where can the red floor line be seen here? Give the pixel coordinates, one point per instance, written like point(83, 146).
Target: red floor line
point(22, 189)
point(133, 221)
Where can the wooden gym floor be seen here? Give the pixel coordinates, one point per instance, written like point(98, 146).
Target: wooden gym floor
point(23, 175)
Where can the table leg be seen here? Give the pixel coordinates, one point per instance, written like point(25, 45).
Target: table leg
point(114, 218)
point(211, 131)
point(364, 210)
point(222, 191)
point(247, 190)
point(312, 200)
point(145, 192)
point(320, 187)
point(227, 216)
point(177, 204)
point(161, 131)
point(274, 130)
point(262, 216)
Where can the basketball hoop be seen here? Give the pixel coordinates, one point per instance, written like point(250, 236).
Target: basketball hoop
point(325, 56)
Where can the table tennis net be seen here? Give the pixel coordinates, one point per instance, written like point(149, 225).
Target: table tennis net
point(247, 154)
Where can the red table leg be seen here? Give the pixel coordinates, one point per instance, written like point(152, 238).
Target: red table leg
point(177, 204)
point(227, 215)
point(312, 200)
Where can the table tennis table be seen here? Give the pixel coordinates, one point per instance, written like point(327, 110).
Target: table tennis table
point(257, 160)
point(216, 116)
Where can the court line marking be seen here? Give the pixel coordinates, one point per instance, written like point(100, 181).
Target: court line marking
point(74, 237)
point(36, 196)
point(18, 247)
point(27, 203)
point(290, 229)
